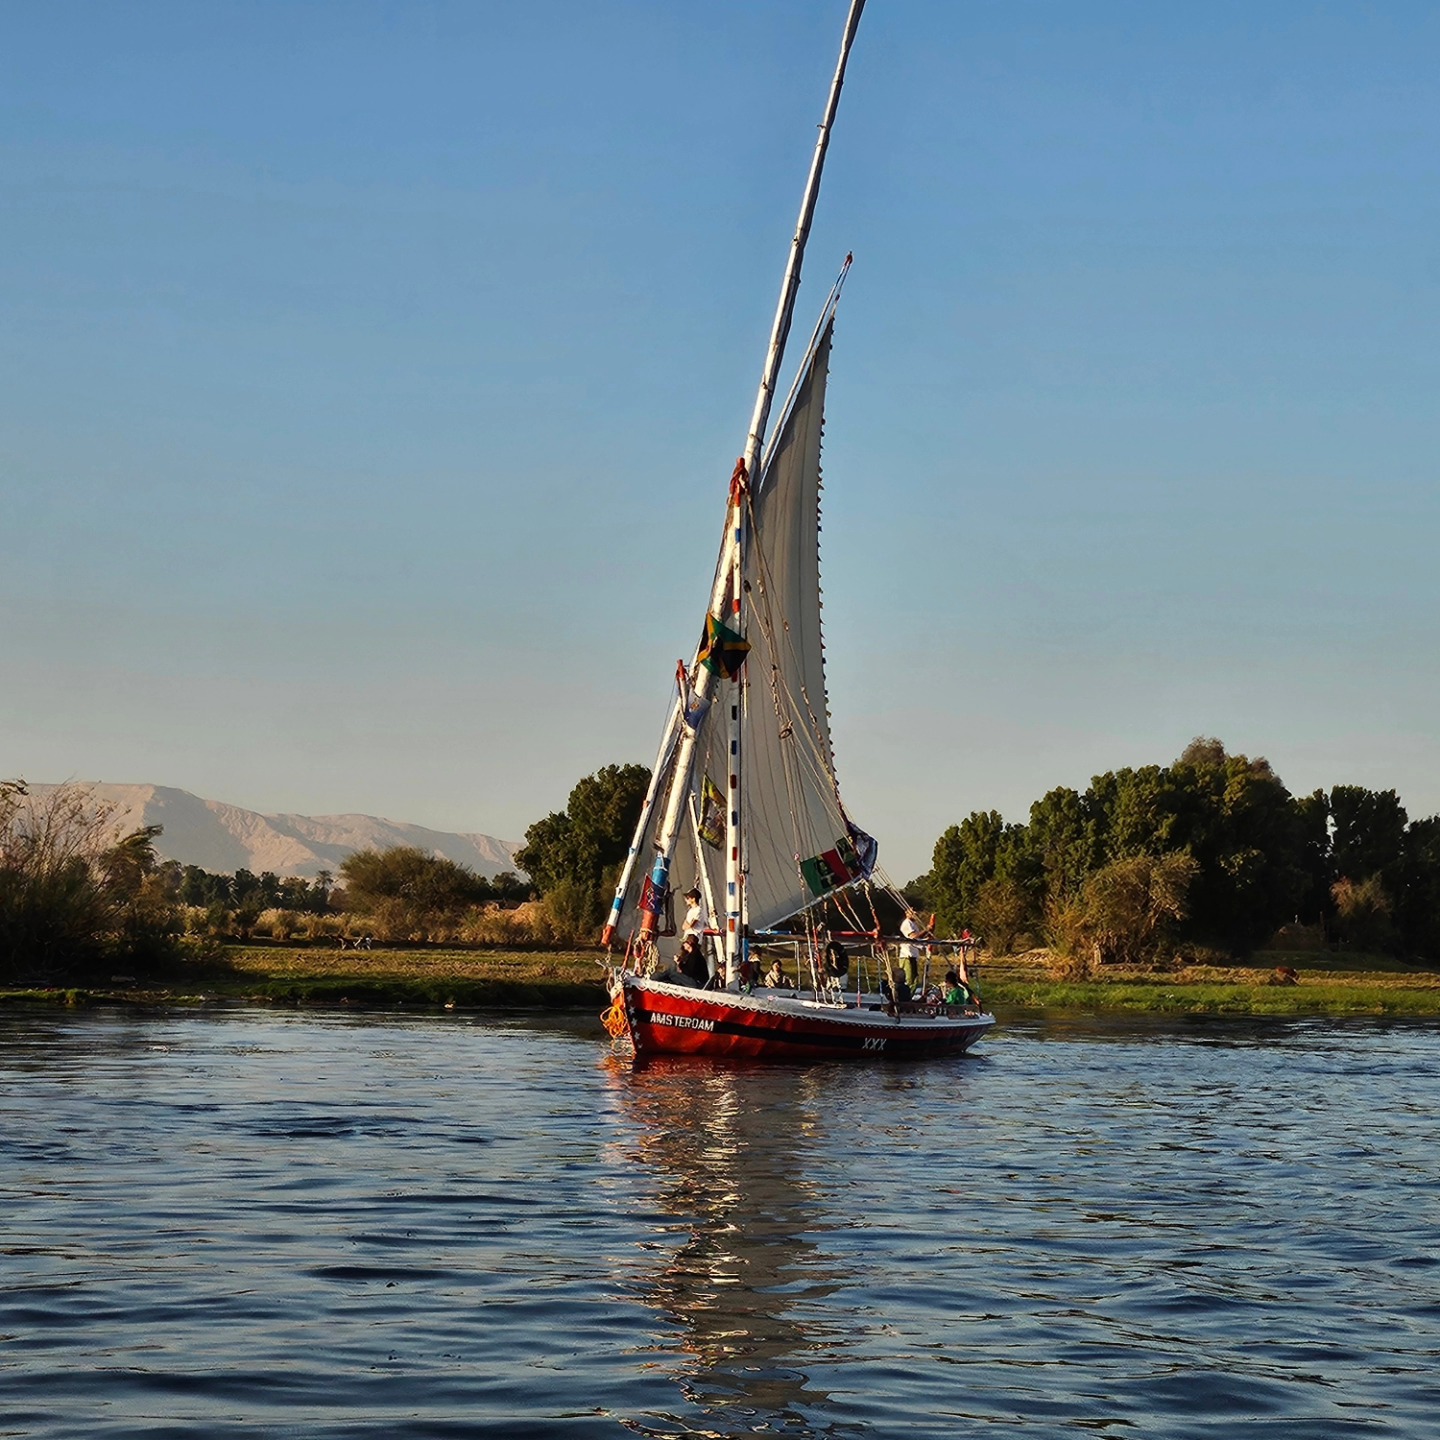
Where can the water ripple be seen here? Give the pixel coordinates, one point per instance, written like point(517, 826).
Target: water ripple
point(241, 1223)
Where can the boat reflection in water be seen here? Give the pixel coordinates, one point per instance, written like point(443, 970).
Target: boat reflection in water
point(730, 1148)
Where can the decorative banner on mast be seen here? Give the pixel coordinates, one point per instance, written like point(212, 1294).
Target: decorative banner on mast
point(712, 814)
point(853, 858)
point(652, 897)
point(723, 651)
point(692, 706)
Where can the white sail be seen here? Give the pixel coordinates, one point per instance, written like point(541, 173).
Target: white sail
point(793, 817)
point(791, 807)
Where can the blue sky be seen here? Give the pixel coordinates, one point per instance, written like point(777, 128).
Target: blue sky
point(372, 374)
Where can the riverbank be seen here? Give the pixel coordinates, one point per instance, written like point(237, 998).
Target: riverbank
point(1322, 984)
point(1273, 983)
point(370, 979)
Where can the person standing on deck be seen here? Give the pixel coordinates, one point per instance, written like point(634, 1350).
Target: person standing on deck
point(695, 924)
point(912, 929)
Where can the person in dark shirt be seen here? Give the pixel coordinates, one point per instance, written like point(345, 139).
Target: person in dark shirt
point(691, 961)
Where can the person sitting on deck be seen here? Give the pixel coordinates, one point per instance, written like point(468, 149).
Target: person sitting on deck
point(836, 965)
point(775, 976)
point(902, 993)
point(957, 992)
point(692, 963)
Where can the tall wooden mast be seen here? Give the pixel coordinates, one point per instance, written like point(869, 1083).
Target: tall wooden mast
point(727, 597)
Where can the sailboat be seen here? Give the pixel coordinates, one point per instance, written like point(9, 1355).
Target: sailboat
point(743, 814)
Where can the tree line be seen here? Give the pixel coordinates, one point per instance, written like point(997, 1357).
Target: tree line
point(190, 885)
point(1210, 852)
point(76, 898)
point(80, 898)
point(422, 882)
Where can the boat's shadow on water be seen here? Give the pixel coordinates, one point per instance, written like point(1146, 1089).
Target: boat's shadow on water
point(735, 1211)
point(743, 1158)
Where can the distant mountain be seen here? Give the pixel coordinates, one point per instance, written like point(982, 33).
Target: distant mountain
point(224, 838)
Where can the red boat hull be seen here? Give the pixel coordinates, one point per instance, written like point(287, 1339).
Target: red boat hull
point(667, 1019)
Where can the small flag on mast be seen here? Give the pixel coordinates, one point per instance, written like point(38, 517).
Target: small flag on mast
point(712, 813)
point(723, 652)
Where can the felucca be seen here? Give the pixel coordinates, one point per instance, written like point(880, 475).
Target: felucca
point(744, 810)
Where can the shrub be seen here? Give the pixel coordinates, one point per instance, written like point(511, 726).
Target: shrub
point(320, 927)
point(77, 897)
point(1125, 912)
point(494, 925)
point(1363, 912)
point(1000, 913)
point(281, 924)
point(568, 913)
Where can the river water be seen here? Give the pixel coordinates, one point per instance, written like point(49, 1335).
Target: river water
point(250, 1223)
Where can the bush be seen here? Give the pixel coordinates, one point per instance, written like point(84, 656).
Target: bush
point(493, 925)
point(1363, 914)
point(411, 895)
point(320, 927)
point(281, 924)
point(568, 913)
point(218, 921)
point(76, 897)
point(1000, 913)
point(1125, 912)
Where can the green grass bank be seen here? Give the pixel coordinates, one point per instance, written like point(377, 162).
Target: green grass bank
point(1324, 983)
point(371, 979)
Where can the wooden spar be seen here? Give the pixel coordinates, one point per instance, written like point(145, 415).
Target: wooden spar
point(707, 890)
point(662, 762)
point(727, 576)
point(737, 943)
point(790, 285)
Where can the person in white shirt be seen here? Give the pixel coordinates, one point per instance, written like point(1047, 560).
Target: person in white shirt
point(912, 929)
point(695, 924)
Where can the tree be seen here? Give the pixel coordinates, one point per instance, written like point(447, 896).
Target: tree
point(1258, 857)
point(1243, 828)
point(1312, 819)
point(582, 847)
point(508, 886)
point(1141, 810)
point(127, 864)
point(1367, 834)
point(1129, 907)
point(1062, 841)
point(966, 856)
point(1418, 909)
point(199, 887)
point(76, 898)
point(1000, 913)
point(409, 891)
